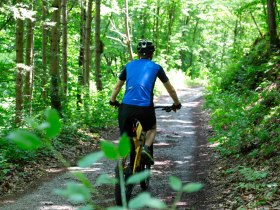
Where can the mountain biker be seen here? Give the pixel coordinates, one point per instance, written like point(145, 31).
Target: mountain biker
point(140, 76)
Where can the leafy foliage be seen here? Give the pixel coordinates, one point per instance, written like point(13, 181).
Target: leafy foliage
point(244, 102)
point(80, 193)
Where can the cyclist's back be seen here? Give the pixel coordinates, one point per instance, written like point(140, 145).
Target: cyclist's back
point(140, 76)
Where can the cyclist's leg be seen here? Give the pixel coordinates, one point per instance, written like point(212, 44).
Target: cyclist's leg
point(150, 136)
point(147, 119)
point(125, 126)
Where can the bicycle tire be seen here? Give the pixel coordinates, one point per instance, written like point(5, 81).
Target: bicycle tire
point(145, 183)
point(128, 188)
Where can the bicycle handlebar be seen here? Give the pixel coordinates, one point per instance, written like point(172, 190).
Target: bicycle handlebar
point(165, 108)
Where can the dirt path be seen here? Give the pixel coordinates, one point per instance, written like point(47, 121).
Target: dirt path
point(180, 149)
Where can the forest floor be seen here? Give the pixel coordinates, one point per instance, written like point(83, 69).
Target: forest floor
point(181, 149)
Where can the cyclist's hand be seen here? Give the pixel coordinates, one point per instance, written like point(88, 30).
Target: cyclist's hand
point(114, 104)
point(176, 107)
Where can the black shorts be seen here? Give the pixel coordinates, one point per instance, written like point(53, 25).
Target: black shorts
point(127, 113)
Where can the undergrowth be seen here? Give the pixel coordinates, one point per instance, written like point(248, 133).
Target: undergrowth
point(244, 101)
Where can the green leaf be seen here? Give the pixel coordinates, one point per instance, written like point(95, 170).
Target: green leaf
point(44, 126)
point(192, 187)
point(145, 199)
point(76, 193)
point(89, 159)
point(106, 179)
point(52, 117)
point(84, 180)
point(32, 122)
point(25, 140)
point(138, 177)
point(124, 146)
point(156, 203)
point(109, 150)
point(140, 201)
point(175, 183)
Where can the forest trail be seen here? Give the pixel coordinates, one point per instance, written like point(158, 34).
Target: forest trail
point(180, 150)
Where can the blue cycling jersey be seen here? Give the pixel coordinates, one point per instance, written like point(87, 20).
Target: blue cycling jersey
point(140, 76)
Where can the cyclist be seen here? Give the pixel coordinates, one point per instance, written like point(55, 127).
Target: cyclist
point(140, 76)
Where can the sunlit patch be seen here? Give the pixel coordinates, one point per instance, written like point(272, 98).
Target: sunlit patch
point(55, 170)
point(180, 203)
point(162, 163)
point(75, 169)
point(156, 172)
point(162, 116)
point(188, 132)
point(116, 141)
point(214, 144)
point(161, 144)
point(178, 121)
point(56, 207)
point(188, 157)
point(181, 162)
point(190, 104)
point(185, 126)
point(7, 202)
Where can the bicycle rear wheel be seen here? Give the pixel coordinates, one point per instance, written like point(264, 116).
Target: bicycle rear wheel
point(145, 183)
point(128, 188)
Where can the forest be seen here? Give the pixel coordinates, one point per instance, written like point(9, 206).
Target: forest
point(67, 55)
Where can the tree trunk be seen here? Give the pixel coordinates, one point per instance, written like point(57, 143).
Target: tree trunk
point(256, 24)
point(98, 46)
point(183, 52)
point(235, 32)
point(81, 54)
point(64, 49)
point(191, 52)
point(156, 25)
point(19, 62)
point(272, 24)
point(29, 64)
point(54, 58)
point(44, 51)
point(88, 44)
point(171, 17)
point(128, 41)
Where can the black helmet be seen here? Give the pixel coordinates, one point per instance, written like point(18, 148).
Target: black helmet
point(145, 46)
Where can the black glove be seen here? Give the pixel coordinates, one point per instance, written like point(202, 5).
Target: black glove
point(115, 103)
point(176, 107)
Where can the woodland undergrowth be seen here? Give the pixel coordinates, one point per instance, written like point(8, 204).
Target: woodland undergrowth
point(245, 115)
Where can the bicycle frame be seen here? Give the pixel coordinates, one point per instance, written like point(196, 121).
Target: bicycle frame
point(135, 164)
point(138, 140)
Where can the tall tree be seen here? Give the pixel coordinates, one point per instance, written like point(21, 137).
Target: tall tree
point(81, 54)
point(86, 74)
point(274, 41)
point(98, 46)
point(19, 62)
point(171, 19)
point(156, 24)
point(44, 49)
point(64, 48)
point(128, 39)
point(54, 58)
point(28, 88)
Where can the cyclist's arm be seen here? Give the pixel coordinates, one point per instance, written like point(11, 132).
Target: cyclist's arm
point(170, 89)
point(116, 90)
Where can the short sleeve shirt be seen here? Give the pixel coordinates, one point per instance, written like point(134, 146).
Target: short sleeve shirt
point(140, 76)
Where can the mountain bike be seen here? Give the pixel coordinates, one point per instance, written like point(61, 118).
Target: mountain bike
point(133, 164)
